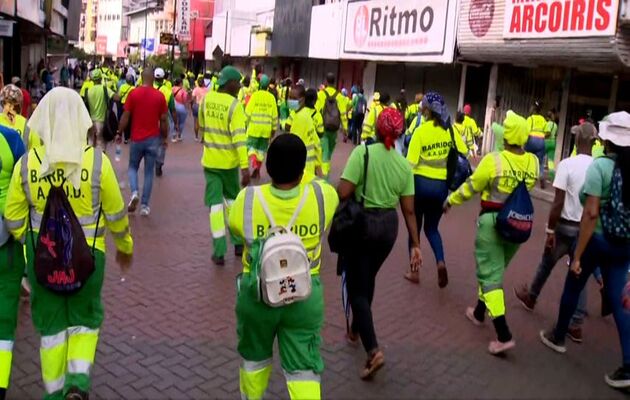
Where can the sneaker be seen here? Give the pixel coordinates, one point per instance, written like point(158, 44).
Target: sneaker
point(75, 394)
point(174, 140)
point(180, 139)
point(620, 379)
point(549, 341)
point(218, 261)
point(158, 170)
point(145, 211)
point(133, 203)
point(470, 314)
point(495, 347)
point(523, 296)
point(238, 250)
point(575, 333)
point(372, 365)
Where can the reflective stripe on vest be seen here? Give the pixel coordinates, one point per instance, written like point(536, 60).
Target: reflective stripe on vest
point(497, 196)
point(248, 217)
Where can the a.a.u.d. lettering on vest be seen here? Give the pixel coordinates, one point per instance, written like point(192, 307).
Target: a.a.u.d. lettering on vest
point(56, 178)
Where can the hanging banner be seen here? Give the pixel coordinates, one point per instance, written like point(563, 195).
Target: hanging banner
point(559, 18)
point(400, 30)
point(182, 25)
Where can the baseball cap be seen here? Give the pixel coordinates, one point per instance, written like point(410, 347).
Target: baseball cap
point(228, 74)
point(264, 81)
point(15, 80)
point(158, 73)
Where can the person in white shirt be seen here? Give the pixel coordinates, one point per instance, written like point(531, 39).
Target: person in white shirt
point(563, 225)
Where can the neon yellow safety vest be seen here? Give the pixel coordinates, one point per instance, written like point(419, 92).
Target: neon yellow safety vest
point(466, 134)
point(124, 91)
point(471, 124)
point(249, 221)
point(99, 188)
point(30, 138)
point(537, 124)
point(222, 122)
point(262, 115)
point(496, 177)
point(429, 148)
point(302, 126)
point(369, 125)
point(87, 84)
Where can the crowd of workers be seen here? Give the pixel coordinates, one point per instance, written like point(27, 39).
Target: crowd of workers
point(247, 122)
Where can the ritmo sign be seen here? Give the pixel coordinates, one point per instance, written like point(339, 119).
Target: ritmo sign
point(559, 18)
point(403, 28)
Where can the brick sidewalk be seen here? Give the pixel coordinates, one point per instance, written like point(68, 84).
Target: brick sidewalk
point(169, 330)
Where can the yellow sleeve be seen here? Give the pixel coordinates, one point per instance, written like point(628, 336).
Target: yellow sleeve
point(248, 111)
point(321, 99)
point(239, 135)
point(16, 208)
point(331, 201)
point(412, 126)
point(114, 209)
point(476, 183)
point(319, 158)
point(368, 125)
point(235, 219)
point(413, 154)
point(459, 143)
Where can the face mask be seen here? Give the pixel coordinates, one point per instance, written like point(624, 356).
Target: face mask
point(293, 104)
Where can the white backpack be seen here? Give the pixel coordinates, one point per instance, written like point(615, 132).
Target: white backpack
point(285, 269)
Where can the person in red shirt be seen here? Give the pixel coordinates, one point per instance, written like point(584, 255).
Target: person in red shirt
point(26, 97)
point(147, 110)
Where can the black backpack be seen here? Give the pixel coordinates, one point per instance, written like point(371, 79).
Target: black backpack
point(615, 215)
point(516, 219)
point(110, 125)
point(63, 260)
point(331, 114)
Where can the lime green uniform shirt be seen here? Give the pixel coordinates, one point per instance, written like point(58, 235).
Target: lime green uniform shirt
point(96, 101)
point(222, 123)
point(597, 183)
point(248, 220)
point(389, 176)
point(302, 125)
point(429, 148)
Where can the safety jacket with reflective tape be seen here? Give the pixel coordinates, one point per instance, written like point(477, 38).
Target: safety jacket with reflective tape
point(124, 91)
point(248, 220)
point(11, 149)
point(496, 177)
point(30, 138)
point(316, 116)
point(471, 124)
point(222, 122)
point(99, 188)
point(167, 91)
point(262, 115)
point(369, 125)
point(302, 125)
point(467, 136)
point(429, 148)
point(537, 124)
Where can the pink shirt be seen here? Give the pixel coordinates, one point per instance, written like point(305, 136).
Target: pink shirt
point(181, 96)
point(199, 93)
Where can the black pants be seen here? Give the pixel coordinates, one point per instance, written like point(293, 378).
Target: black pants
point(363, 265)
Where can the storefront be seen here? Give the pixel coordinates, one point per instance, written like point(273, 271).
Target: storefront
point(409, 43)
point(573, 55)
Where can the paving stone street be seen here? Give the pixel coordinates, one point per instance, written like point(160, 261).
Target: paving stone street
point(169, 331)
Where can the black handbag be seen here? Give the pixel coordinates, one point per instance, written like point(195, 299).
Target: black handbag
point(348, 222)
point(458, 167)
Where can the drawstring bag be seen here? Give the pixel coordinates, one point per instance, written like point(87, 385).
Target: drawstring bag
point(516, 218)
point(458, 167)
point(615, 215)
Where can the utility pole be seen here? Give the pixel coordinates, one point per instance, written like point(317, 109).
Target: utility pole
point(173, 45)
point(144, 46)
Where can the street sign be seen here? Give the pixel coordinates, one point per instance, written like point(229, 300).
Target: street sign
point(168, 38)
point(148, 44)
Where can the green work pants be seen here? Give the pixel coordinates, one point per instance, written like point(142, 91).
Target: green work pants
point(222, 187)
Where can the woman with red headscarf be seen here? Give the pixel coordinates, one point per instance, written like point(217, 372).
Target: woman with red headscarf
point(386, 182)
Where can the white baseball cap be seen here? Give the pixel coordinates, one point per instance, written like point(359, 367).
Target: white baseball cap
point(158, 73)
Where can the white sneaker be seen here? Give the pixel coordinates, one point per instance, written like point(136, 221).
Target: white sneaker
point(145, 211)
point(133, 203)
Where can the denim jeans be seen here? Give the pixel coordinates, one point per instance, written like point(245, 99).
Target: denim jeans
point(614, 260)
point(536, 146)
point(566, 236)
point(182, 113)
point(430, 197)
point(147, 149)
